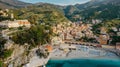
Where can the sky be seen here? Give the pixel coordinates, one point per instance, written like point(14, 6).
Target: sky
point(58, 2)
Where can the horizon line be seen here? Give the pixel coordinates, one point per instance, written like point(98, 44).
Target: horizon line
point(56, 3)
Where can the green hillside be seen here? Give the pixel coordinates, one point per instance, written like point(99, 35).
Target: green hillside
point(94, 9)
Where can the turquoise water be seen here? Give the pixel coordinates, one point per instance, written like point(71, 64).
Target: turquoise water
point(84, 63)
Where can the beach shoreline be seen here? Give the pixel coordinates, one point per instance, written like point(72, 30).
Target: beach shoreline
point(83, 62)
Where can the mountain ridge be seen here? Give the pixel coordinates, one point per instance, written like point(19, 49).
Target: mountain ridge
point(10, 4)
point(95, 9)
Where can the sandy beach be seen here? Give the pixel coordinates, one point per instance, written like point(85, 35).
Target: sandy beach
point(83, 52)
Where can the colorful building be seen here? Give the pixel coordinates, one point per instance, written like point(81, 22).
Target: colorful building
point(118, 46)
point(15, 23)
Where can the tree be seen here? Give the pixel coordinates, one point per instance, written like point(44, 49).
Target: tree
point(1, 64)
point(36, 35)
point(3, 52)
point(2, 42)
point(6, 53)
point(96, 28)
point(33, 19)
point(115, 39)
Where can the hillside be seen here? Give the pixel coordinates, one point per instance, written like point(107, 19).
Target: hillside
point(42, 12)
point(39, 12)
point(12, 4)
point(95, 9)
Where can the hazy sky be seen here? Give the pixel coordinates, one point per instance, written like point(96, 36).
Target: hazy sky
point(59, 2)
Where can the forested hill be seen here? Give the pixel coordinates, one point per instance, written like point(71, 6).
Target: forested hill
point(94, 9)
point(42, 12)
point(12, 4)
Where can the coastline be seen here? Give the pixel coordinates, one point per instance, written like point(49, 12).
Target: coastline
point(83, 62)
point(83, 52)
point(95, 58)
point(84, 57)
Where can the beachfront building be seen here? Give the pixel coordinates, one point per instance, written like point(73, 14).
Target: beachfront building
point(56, 40)
point(118, 46)
point(49, 48)
point(78, 35)
point(15, 23)
point(68, 36)
point(103, 39)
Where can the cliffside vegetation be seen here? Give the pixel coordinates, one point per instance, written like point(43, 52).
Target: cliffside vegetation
point(36, 35)
point(1, 63)
point(4, 53)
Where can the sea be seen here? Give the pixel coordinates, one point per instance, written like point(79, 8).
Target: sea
point(89, 62)
point(101, 59)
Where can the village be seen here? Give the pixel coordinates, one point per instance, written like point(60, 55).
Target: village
point(69, 41)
